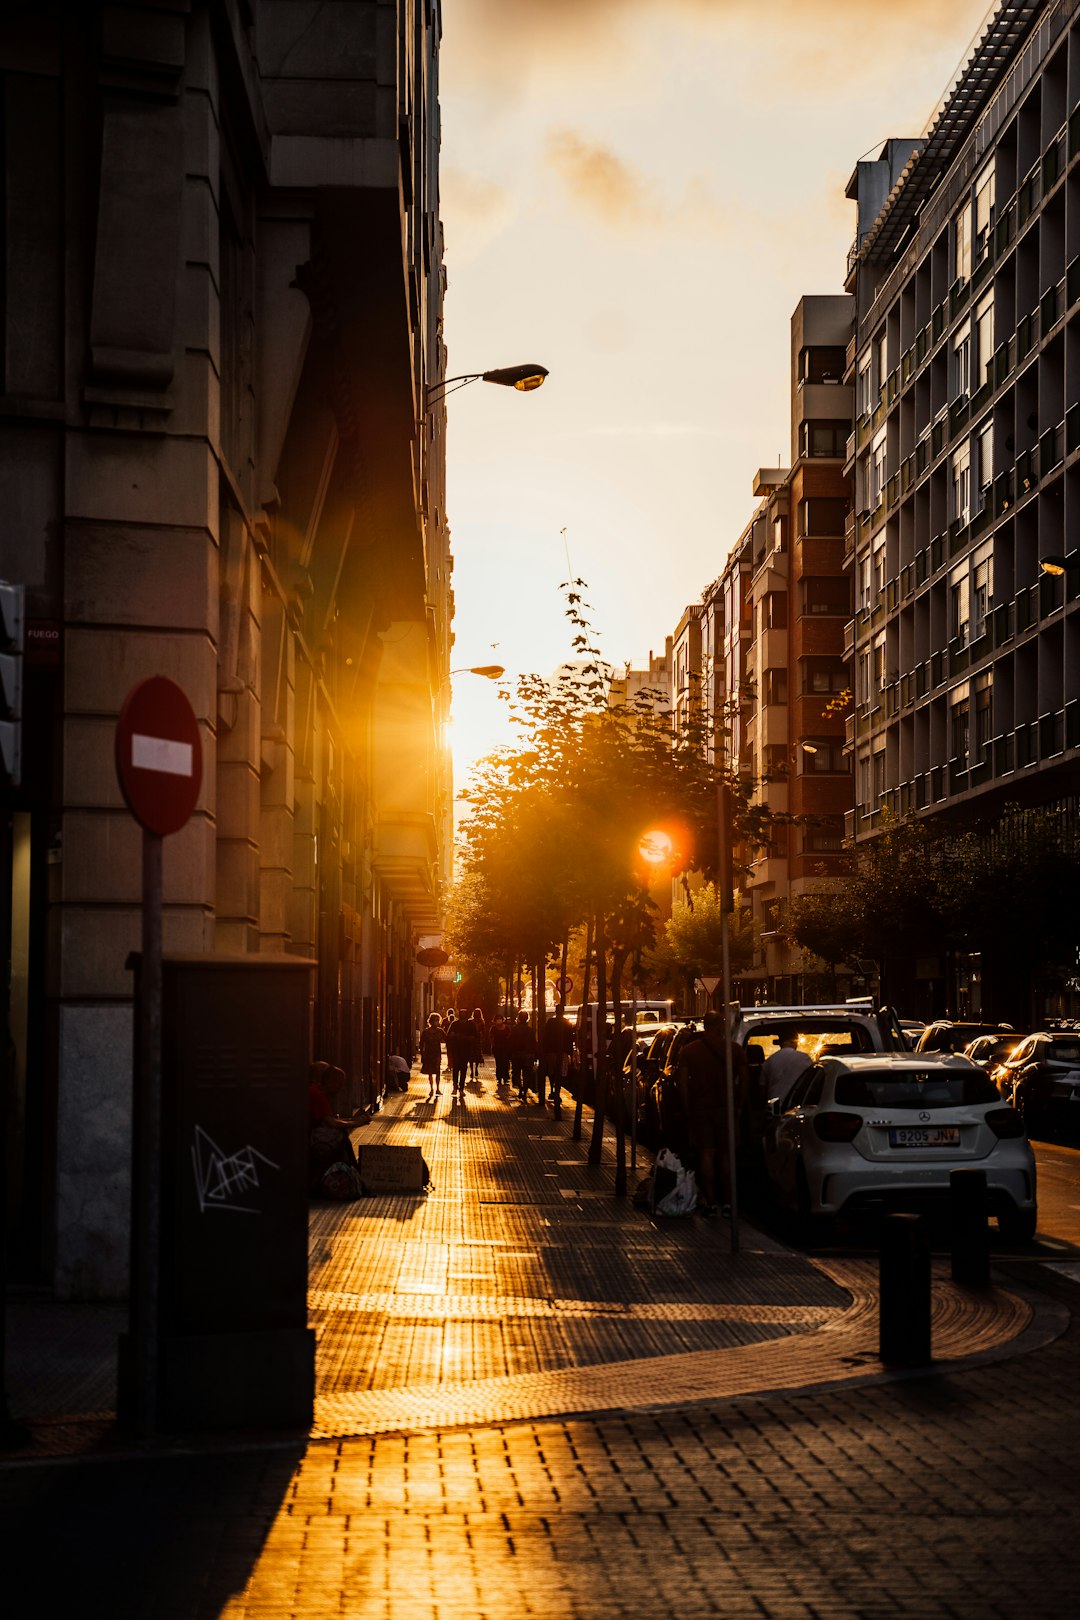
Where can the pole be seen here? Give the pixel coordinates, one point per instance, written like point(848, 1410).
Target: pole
point(148, 1146)
point(725, 950)
point(633, 1067)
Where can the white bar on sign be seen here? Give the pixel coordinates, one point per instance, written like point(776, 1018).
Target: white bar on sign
point(161, 754)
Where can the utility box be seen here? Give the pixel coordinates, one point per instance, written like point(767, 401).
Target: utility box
point(234, 1349)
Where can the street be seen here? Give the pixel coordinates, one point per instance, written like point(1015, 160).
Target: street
point(537, 1401)
point(1058, 1168)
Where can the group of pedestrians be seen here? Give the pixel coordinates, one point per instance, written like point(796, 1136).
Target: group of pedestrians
point(464, 1039)
point(522, 1064)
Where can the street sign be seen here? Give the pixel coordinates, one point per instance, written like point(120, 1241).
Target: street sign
point(158, 755)
point(710, 983)
point(564, 986)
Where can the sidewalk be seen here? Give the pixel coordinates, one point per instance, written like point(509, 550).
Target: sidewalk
point(534, 1400)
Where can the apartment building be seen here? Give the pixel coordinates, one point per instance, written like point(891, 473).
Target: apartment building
point(783, 600)
point(221, 306)
point(966, 452)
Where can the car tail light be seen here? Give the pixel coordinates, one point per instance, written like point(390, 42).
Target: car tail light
point(838, 1127)
point(1005, 1122)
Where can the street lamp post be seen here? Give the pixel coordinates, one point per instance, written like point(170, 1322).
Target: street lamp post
point(524, 378)
point(727, 900)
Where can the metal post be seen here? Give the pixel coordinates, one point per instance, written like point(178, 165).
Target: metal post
point(633, 1068)
point(148, 1147)
point(904, 1310)
point(969, 1232)
point(725, 948)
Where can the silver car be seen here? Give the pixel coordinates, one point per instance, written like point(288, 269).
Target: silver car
point(884, 1130)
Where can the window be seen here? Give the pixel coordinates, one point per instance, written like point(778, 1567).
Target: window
point(959, 726)
point(961, 484)
point(776, 762)
point(823, 439)
point(827, 595)
point(982, 588)
point(822, 364)
point(984, 712)
point(983, 357)
point(877, 581)
point(881, 672)
point(959, 607)
point(862, 580)
point(828, 758)
point(863, 679)
point(961, 377)
point(864, 400)
point(824, 675)
point(879, 774)
point(881, 363)
point(825, 840)
point(776, 686)
point(962, 244)
point(864, 780)
point(822, 515)
point(984, 211)
point(774, 610)
point(878, 454)
point(984, 458)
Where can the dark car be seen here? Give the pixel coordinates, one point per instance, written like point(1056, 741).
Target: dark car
point(949, 1035)
point(1042, 1080)
point(668, 1101)
point(990, 1051)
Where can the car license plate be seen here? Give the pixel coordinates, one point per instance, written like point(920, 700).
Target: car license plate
point(925, 1136)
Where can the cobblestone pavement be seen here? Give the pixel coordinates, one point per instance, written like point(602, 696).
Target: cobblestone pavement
point(948, 1493)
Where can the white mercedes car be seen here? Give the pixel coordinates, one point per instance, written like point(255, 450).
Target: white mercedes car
point(882, 1131)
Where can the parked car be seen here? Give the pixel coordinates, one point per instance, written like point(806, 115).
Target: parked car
point(950, 1035)
point(1041, 1079)
point(820, 1031)
point(990, 1051)
point(883, 1131)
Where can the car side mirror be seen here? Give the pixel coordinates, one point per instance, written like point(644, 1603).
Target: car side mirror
point(775, 1107)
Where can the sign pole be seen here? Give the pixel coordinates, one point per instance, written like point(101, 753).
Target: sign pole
point(726, 903)
point(148, 1208)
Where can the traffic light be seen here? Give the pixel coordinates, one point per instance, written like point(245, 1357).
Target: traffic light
point(11, 679)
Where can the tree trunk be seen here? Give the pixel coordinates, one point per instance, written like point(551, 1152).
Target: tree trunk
point(586, 976)
point(600, 1087)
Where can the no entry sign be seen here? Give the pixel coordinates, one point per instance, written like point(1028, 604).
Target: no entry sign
point(158, 755)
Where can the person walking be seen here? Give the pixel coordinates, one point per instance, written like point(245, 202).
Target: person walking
point(522, 1055)
point(500, 1050)
point(480, 1031)
point(431, 1047)
point(702, 1075)
point(460, 1046)
point(556, 1051)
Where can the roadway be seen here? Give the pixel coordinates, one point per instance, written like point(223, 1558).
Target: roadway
point(1058, 1170)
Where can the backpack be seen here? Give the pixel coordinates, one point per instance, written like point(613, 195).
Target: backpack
point(674, 1189)
point(341, 1182)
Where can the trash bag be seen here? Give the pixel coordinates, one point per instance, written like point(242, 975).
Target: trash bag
point(674, 1186)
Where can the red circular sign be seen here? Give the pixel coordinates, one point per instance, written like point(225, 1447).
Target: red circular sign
point(158, 755)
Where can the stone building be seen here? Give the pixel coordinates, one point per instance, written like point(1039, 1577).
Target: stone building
point(222, 298)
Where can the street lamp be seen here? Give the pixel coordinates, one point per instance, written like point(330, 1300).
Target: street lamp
point(524, 378)
point(1056, 566)
point(490, 672)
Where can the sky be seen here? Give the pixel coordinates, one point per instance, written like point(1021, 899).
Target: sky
point(636, 194)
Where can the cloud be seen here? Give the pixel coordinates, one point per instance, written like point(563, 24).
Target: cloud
point(478, 209)
point(495, 38)
point(604, 185)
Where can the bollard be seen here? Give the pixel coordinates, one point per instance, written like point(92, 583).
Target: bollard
point(970, 1233)
point(904, 1310)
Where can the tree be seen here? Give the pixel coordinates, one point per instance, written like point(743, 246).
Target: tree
point(692, 943)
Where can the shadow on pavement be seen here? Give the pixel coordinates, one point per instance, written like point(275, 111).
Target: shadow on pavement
point(128, 1538)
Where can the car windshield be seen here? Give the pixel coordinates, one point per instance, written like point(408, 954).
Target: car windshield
point(923, 1088)
point(1063, 1052)
point(824, 1039)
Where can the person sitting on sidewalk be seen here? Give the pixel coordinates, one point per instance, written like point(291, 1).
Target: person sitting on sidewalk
point(329, 1140)
point(702, 1073)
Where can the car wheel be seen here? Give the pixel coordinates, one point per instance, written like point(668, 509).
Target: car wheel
point(1018, 1225)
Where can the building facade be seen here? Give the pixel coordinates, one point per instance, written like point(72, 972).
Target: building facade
point(966, 452)
point(222, 309)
